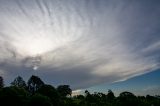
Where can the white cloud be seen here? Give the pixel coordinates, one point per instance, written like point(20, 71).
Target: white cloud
point(76, 92)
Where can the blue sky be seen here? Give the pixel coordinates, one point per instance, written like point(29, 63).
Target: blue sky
point(140, 85)
point(83, 43)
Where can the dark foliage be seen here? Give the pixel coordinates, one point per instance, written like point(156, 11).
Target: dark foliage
point(13, 96)
point(34, 83)
point(19, 82)
point(39, 100)
point(64, 90)
point(41, 94)
point(1, 82)
point(50, 92)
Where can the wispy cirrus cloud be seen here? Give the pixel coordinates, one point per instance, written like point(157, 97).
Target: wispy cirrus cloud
point(81, 43)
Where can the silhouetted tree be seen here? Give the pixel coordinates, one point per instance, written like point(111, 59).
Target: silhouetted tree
point(34, 83)
point(47, 95)
point(127, 99)
point(1, 82)
point(90, 100)
point(49, 91)
point(110, 95)
point(40, 100)
point(19, 82)
point(64, 90)
point(13, 96)
point(79, 100)
point(127, 94)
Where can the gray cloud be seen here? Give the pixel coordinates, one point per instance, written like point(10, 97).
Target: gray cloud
point(82, 43)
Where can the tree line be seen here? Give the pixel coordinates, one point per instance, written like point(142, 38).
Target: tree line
point(36, 93)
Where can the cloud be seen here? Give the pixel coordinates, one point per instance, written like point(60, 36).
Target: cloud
point(81, 43)
point(76, 92)
point(152, 90)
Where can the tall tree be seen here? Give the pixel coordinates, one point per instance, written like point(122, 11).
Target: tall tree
point(64, 90)
point(51, 92)
point(19, 82)
point(110, 95)
point(128, 99)
point(1, 82)
point(34, 83)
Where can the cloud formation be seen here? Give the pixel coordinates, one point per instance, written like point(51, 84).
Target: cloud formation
point(81, 43)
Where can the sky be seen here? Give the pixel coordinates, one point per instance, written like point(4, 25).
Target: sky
point(139, 85)
point(92, 44)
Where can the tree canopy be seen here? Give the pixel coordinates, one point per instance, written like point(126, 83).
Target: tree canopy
point(64, 90)
point(1, 82)
point(19, 82)
point(37, 93)
point(34, 83)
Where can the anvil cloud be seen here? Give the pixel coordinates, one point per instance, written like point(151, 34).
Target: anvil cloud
point(79, 42)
